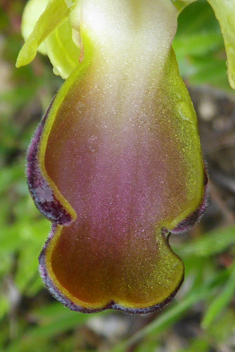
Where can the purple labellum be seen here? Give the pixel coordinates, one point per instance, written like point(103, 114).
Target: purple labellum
point(125, 187)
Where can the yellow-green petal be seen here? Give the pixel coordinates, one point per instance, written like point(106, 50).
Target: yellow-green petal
point(54, 15)
point(62, 51)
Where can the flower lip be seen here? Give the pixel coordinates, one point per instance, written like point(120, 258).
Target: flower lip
point(115, 162)
point(46, 258)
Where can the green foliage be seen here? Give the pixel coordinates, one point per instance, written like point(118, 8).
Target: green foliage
point(30, 320)
point(199, 47)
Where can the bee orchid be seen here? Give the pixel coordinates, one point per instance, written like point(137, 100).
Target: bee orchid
point(116, 162)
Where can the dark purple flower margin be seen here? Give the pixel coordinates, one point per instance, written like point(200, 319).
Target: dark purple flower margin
point(39, 188)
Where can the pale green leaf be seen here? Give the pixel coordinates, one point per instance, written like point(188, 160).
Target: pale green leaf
point(225, 12)
point(221, 300)
point(212, 243)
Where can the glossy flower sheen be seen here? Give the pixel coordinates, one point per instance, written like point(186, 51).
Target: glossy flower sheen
point(116, 163)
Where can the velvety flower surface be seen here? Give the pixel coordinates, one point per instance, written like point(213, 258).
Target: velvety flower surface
point(116, 163)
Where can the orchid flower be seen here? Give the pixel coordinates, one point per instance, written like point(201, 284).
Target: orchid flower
point(116, 162)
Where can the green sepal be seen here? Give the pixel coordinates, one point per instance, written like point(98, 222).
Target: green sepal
point(225, 13)
point(32, 12)
point(54, 15)
point(181, 4)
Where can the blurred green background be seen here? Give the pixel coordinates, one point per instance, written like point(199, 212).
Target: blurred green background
point(202, 316)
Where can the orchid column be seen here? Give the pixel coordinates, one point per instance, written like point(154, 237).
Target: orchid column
point(116, 163)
